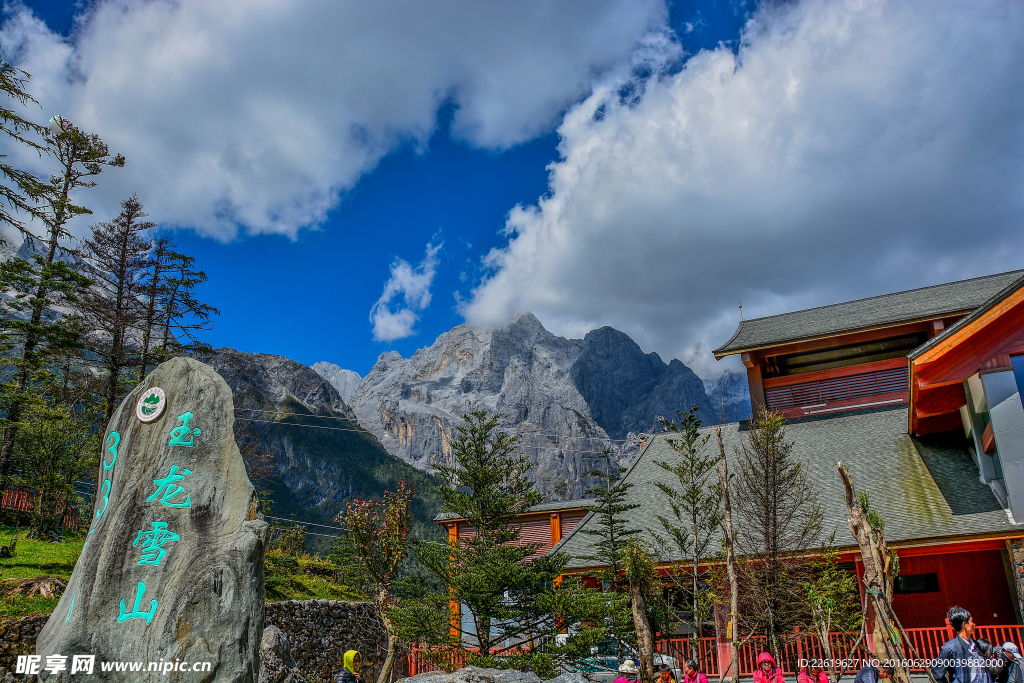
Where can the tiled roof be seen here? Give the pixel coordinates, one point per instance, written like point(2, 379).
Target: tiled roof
point(863, 314)
point(992, 302)
point(923, 488)
point(542, 507)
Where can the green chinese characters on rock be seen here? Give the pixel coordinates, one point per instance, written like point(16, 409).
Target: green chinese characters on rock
point(153, 542)
point(182, 435)
point(167, 489)
point(136, 613)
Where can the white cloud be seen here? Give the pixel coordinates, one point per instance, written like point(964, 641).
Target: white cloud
point(260, 114)
point(413, 286)
point(849, 149)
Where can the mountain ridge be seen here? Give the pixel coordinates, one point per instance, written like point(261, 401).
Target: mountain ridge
point(566, 399)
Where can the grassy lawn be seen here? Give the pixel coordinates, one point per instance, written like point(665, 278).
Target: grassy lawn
point(35, 558)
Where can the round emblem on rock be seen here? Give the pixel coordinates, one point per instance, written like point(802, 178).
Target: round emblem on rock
point(151, 404)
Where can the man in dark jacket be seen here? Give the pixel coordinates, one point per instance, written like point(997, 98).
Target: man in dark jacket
point(953, 664)
point(1011, 653)
point(872, 674)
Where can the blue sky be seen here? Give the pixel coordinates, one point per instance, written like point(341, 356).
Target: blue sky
point(658, 215)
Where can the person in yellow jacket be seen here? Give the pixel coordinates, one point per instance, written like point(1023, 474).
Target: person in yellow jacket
point(352, 667)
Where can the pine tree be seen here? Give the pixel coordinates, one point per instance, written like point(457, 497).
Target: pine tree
point(497, 581)
point(172, 314)
point(46, 282)
point(781, 523)
point(116, 254)
point(182, 315)
point(696, 509)
point(612, 532)
point(17, 194)
point(158, 266)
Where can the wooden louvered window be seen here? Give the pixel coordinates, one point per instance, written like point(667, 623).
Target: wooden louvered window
point(822, 391)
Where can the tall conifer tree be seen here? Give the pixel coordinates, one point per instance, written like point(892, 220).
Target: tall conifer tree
point(116, 255)
point(47, 282)
point(498, 581)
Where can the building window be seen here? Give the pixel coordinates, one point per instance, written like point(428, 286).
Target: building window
point(917, 583)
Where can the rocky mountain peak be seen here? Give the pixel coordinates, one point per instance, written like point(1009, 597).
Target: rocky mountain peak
point(277, 378)
point(345, 381)
point(567, 399)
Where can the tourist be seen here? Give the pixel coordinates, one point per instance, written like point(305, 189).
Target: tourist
point(981, 672)
point(814, 672)
point(767, 670)
point(1012, 656)
point(873, 674)
point(692, 674)
point(628, 671)
point(998, 665)
point(953, 663)
point(352, 668)
point(666, 674)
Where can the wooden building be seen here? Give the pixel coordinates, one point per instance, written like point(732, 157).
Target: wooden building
point(919, 394)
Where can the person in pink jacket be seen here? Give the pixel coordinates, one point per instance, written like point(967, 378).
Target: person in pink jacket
point(628, 671)
point(813, 673)
point(767, 671)
point(693, 675)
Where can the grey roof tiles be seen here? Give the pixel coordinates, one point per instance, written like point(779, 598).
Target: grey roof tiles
point(863, 314)
point(923, 488)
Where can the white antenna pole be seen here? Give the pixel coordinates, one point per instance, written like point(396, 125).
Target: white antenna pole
point(741, 309)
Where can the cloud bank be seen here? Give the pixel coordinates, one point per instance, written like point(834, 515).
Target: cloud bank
point(391, 322)
point(260, 114)
point(849, 149)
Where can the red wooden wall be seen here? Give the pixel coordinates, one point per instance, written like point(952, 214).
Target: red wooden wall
point(974, 580)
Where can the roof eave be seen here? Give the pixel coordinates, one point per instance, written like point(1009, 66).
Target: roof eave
point(856, 330)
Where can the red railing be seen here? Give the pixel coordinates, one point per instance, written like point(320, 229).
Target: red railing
point(447, 658)
point(679, 648)
point(926, 642)
point(22, 501)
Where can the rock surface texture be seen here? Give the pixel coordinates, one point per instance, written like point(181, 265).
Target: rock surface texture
point(567, 399)
point(320, 631)
point(276, 662)
point(18, 637)
point(173, 564)
point(345, 381)
point(302, 443)
point(474, 674)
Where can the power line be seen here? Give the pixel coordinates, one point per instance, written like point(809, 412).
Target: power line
point(413, 436)
point(366, 431)
point(299, 521)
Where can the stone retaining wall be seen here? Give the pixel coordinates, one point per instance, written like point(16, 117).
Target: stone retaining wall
point(18, 637)
point(320, 631)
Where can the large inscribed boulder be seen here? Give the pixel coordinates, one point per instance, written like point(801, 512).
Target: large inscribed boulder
point(171, 577)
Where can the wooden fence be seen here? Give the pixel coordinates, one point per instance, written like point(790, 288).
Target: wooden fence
point(20, 500)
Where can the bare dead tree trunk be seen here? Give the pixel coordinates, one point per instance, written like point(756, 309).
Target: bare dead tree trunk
point(730, 561)
point(878, 580)
point(644, 636)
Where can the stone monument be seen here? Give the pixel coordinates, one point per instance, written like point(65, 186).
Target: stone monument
point(169, 585)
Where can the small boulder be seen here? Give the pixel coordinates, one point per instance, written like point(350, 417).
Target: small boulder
point(475, 674)
point(569, 677)
point(276, 663)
